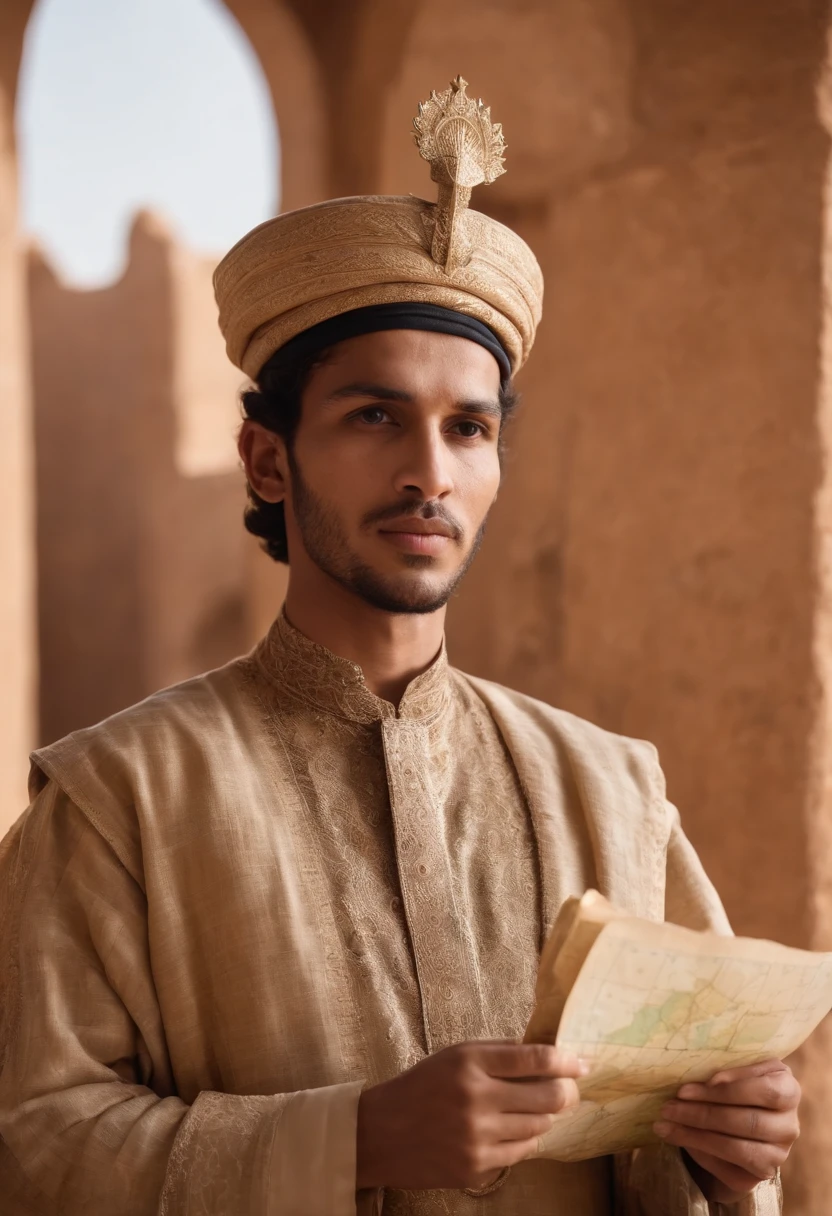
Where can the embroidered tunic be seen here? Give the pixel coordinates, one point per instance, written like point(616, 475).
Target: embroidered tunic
point(232, 906)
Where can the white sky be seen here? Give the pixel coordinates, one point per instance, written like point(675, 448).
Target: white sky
point(125, 104)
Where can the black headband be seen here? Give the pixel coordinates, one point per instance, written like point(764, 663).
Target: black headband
point(398, 316)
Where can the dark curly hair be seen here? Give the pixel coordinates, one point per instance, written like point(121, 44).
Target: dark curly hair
point(275, 402)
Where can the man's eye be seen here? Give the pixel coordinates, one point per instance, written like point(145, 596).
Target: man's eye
point(470, 430)
point(373, 415)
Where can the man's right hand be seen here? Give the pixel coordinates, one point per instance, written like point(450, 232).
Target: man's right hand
point(459, 1117)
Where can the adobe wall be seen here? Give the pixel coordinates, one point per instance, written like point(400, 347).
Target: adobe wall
point(651, 563)
point(141, 550)
point(17, 635)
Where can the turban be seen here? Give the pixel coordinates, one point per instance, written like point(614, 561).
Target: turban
point(308, 266)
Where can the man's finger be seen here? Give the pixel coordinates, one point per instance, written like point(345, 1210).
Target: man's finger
point(530, 1060)
point(545, 1097)
point(519, 1127)
point(744, 1122)
point(761, 1160)
point(747, 1071)
point(774, 1090)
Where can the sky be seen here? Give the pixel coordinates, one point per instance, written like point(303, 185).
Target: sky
point(125, 104)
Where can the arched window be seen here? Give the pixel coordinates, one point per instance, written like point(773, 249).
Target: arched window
point(161, 104)
point(129, 112)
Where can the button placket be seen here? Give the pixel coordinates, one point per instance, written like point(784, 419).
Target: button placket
point(445, 967)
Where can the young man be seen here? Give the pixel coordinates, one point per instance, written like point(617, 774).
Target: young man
point(271, 936)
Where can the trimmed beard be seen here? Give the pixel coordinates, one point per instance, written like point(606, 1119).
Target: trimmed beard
point(326, 544)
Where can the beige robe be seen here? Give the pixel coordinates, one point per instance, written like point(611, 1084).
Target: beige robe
point(232, 906)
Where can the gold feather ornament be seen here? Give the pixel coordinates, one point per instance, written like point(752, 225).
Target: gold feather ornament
point(304, 267)
point(465, 149)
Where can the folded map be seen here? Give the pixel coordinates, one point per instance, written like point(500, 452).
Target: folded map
point(650, 1006)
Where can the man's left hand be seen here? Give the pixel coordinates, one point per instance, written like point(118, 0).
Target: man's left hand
point(737, 1129)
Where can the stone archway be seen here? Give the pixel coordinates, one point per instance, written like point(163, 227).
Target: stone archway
point(299, 100)
point(299, 96)
point(131, 595)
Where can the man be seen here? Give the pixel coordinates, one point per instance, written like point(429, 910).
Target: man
point(271, 936)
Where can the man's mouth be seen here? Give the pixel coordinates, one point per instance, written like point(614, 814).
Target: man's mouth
point(429, 536)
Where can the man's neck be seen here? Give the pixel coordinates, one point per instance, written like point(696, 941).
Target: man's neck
point(391, 649)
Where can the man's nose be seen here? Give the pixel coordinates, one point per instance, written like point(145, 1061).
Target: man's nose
point(425, 467)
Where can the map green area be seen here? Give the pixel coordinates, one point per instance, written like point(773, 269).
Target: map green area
point(652, 1025)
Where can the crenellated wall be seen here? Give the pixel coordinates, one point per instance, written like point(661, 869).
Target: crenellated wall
point(141, 550)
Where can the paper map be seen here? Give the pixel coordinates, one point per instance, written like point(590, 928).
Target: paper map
point(654, 1006)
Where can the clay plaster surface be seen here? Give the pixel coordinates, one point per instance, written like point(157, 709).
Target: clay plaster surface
point(554, 134)
point(205, 384)
point(651, 563)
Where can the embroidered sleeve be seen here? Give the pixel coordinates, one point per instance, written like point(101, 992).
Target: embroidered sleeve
point(286, 1155)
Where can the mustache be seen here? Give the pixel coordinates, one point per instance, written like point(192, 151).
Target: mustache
point(419, 510)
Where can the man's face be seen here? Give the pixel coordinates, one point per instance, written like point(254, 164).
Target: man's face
point(395, 466)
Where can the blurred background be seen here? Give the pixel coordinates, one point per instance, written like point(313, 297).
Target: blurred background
point(659, 560)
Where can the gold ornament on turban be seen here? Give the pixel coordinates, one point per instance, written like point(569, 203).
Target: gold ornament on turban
point(308, 266)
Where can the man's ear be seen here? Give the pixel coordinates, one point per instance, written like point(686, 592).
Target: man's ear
point(265, 460)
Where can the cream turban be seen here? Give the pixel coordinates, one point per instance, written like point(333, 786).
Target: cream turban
point(319, 262)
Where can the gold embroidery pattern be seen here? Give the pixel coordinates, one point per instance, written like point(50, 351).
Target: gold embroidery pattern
point(307, 672)
point(218, 1155)
point(472, 919)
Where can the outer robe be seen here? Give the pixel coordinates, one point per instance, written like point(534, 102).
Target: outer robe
point(231, 906)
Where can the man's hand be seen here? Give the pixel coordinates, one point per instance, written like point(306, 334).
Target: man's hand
point(460, 1116)
point(737, 1129)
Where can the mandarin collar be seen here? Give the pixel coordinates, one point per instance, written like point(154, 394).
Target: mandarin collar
point(309, 672)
